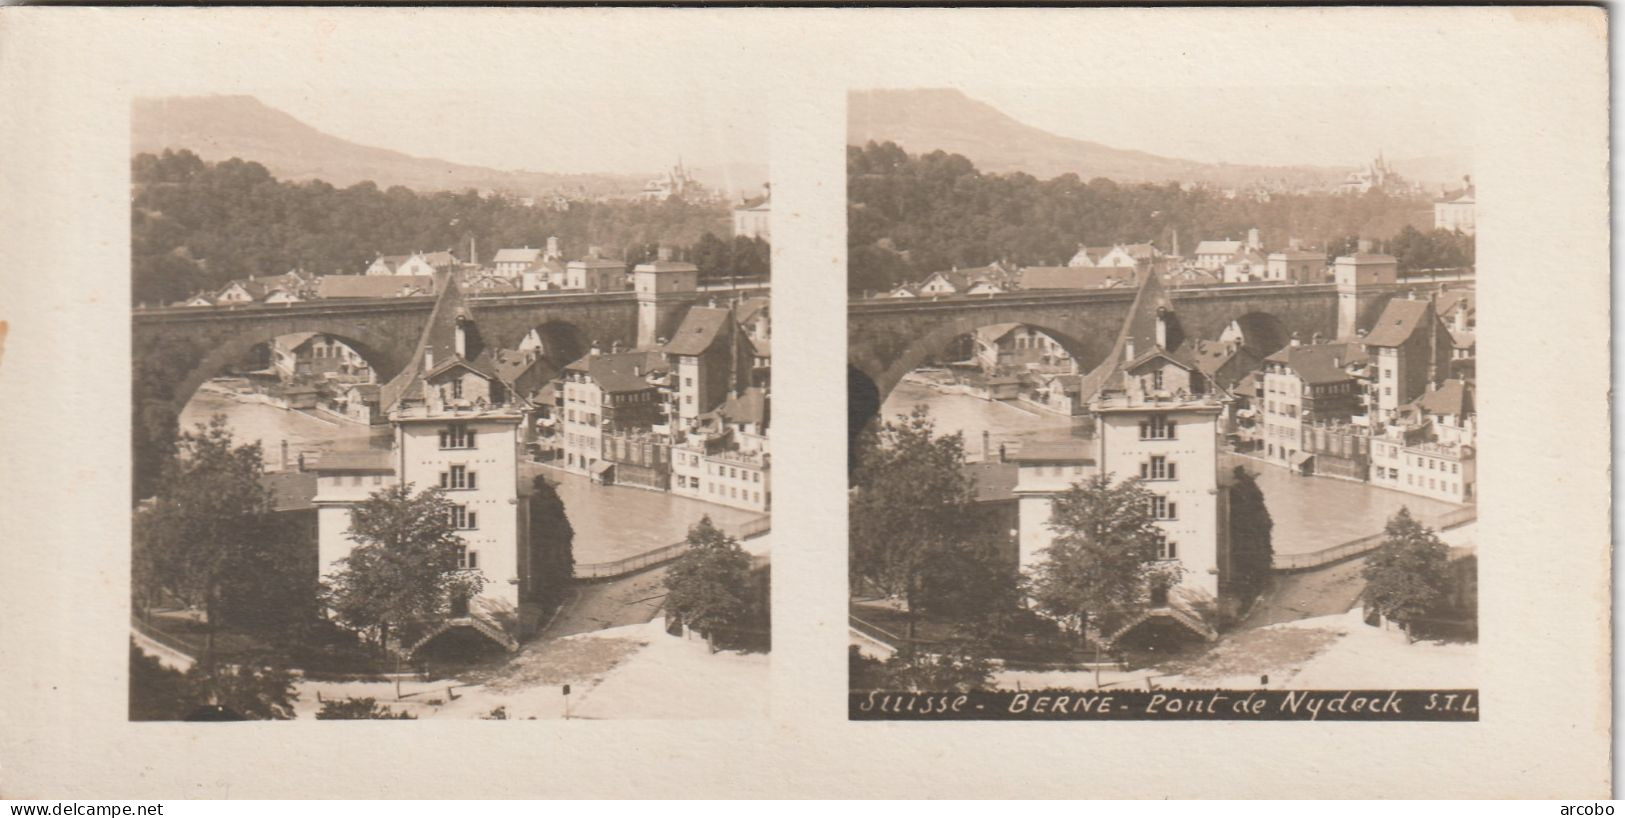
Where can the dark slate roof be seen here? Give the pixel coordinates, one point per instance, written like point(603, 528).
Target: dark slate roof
point(1318, 363)
point(620, 371)
point(356, 460)
point(749, 406)
point(994, 481)
point(1055, 451)
point(1398, 322)
point(290, 490)
point(701, 328)
point(1453, 397)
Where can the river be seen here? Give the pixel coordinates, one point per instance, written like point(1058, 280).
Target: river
point(252, 421)
point(1006, 423)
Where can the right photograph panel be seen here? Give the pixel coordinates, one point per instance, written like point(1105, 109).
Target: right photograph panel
point(1161, 404)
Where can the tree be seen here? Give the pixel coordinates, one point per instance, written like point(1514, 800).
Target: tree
point(1409, 575)
point(405, 566)
point(1252, 553)
point(249, 690)
point(911, 512)
point(958, 664)
point(256, 687)
point(353, 707)
point(204, 536)
point(1105, 555)
point(552, 540)
point(709, 586)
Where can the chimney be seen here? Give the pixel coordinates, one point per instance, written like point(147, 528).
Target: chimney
point(428, 358)
point(986, 437)
point(461, 340)
point(595, 350)
point(284, 455)
point(1295, 340)
point(553, 248)
point(1162, 329)
point(1315, 339)
point(473, 252)
point(615, 346)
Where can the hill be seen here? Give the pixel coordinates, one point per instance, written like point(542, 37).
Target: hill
point(217, 128)
point(924, 120)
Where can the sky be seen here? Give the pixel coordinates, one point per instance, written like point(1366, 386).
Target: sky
point(1282, 125)
point(621, 131)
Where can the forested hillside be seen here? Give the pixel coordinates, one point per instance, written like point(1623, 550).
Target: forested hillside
point(908, 216)
point(196, 225)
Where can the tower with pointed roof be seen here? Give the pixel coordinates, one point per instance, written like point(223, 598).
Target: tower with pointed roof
point(458, 426)
point(1156, 419)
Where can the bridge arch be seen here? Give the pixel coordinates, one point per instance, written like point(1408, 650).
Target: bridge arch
point(1087, 348)
point(1262, 332)
point(376, 350)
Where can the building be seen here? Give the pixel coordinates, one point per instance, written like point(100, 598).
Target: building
point(428, 264)
point(385, 265)
point(724, 457)
point(595, 274)
point(514, 262)
point(754, 219)
point(1155, 419)
point(1247, 265)
point(1456, 212)
point(1304, 385)
point(1141, 257)
point(607, 392)
point(660, 283)
point(1088, 256)
point(1430, 449)
point(1002, 349)
point(309, 355)
point(456, 427)
point(706, 355)
point(1212, 254)
point(1410, 350)
point(1295, 266)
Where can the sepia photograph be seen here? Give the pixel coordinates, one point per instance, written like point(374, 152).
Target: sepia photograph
point(1163, 403)
point(449, 406)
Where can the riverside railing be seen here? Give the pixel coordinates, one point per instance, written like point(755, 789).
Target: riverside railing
point(1287, 563)
point(666, 553)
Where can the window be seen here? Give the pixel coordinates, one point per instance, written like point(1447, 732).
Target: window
point(456, 436)
point(377, 479)
point(1157, 427)
point(355, 479)
point(756, 476)
point(467, 558)
point(1156, 379)
point(1455, 468)
point(689, 381)
point(1162, 509)
point(1388, 390)
point(458, 478)
point(1158, 468)
point(462, 518)
point(1168, 550)
point(457, 388)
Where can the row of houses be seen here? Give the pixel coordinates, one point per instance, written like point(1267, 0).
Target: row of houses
point(1393, 406)
point(512, 270)
point(689, 415)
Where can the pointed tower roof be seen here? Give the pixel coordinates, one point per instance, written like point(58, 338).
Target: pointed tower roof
point(1137, 337)
point(437, 344)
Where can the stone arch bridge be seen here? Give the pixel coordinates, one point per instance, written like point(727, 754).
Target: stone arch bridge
point(887, 338)
point(176, 349)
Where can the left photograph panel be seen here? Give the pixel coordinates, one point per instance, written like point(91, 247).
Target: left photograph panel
point(449, 407)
